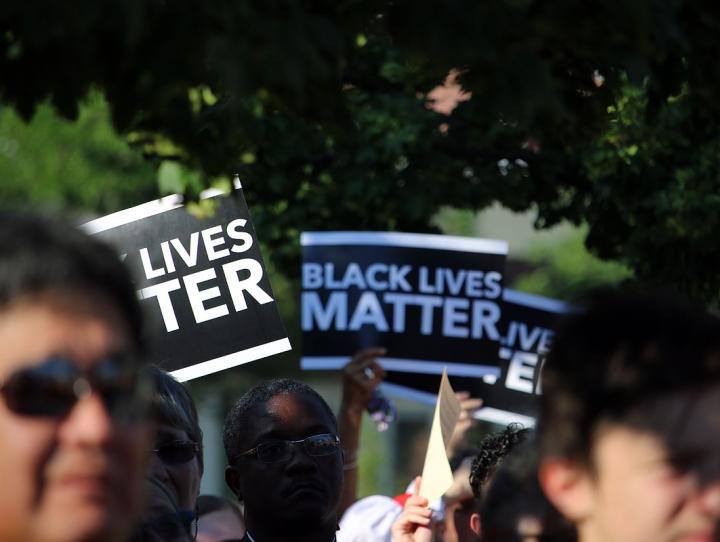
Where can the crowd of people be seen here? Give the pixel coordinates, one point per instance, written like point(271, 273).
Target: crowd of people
point(96, 446)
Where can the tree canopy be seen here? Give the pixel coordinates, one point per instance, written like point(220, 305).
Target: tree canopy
point(596, 112)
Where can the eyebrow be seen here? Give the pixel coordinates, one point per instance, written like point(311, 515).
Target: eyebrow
point(275, 434)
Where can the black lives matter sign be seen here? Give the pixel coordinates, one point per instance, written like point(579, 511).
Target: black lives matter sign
point(433, 301)
point(528, 323)
point(202, 281)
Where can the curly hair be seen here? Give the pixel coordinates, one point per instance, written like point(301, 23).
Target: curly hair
point(493, 449)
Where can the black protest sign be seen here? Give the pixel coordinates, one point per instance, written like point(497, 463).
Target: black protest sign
point(529, 323)
point(433, 301)
point(202, 281)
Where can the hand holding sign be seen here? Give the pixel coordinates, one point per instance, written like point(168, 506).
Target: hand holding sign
point(466, 421)
point(413, 525)
point(360, 377)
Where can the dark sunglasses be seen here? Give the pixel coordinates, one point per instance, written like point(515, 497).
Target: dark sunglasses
point(177, 452)
point(52, 388)
point(281, 450)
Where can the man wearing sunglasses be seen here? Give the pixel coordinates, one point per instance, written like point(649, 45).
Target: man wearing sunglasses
point(285, 463)
point(73, 437)
point(176, 465)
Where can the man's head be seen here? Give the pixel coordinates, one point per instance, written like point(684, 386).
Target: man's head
point(285, 484)
point(491, 453)
point(72, 445)
point(630, 420)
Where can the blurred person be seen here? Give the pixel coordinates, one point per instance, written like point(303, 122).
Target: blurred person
point(630, 420)
point(74, 437)
point(514, 508)
point(219, 520)
point(176, 465)
point(369, 519)
point(285, 463)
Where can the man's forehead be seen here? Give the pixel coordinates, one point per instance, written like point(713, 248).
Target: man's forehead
point(685, 424)
point(82, 329)
point(286, 412)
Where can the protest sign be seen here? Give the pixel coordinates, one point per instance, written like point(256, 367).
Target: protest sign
point(529, 323)
point(202, 281)
point(437, 475)
point(433, 301)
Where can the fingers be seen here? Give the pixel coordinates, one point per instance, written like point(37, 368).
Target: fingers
point(469, 404)
point(415, 518)
point(364, 368)
point(367, 354)
point(417, 500)
point(361, 376)
point(418, 515)
point(468, 407)
point(364, 365)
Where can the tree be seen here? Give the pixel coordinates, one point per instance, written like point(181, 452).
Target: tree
point(83, 165)
point(594, 111)
point(566, 271)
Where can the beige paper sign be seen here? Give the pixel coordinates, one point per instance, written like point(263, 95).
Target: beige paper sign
point(437, 475)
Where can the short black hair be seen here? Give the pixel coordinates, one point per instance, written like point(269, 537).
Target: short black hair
point(493, 449)
point(173, 405)
point(40, 254)
point(514, 493)
point(236, 421)
point(627, 350)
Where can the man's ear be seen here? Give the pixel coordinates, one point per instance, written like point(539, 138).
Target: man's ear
point(568, 486)
point(233, 481)
point(475, 523)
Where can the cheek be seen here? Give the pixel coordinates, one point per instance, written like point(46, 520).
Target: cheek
point(333, 471)
point(26, 445)
point(186, 479)
point(132, 462)
point(644, 505)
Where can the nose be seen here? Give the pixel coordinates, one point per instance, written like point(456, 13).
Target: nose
point(89, 423)
point(156, 468)
point(299, 458)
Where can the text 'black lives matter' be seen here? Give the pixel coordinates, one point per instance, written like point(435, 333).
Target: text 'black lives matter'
point(432, 301)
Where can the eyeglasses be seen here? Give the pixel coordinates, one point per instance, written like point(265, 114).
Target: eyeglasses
point(280, 450)
point(52, 388)
point(177, 452)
